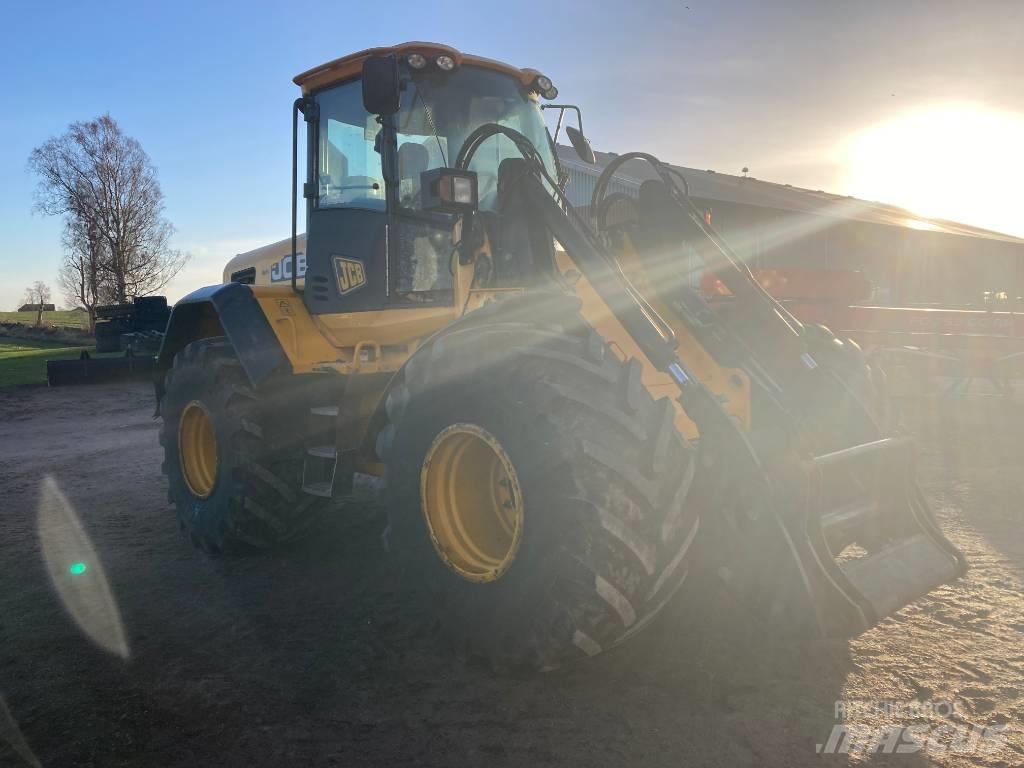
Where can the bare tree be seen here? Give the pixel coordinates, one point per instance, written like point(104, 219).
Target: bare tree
point(38, 294)
point(103, 181)
point(81, 272)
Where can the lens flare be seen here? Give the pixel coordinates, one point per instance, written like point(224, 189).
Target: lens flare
point(11, 733)
point(82, 586)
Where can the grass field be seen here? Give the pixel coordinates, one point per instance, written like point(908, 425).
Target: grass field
point(24, 362)
point(75, 319)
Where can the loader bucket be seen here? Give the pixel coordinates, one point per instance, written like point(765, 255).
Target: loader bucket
point(864, 538)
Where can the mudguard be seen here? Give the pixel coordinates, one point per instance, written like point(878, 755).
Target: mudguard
point(229, 310)
point(539, 305)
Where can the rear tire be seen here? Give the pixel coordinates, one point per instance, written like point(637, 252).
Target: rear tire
point(604, 477)
point(108, 336)
point(256, 500)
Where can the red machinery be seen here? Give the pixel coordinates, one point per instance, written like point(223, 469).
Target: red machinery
point(922, 342)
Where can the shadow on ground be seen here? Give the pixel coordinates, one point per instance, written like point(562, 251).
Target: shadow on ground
point(324, 655)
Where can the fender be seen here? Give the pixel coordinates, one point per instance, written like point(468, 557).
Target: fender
point(230, 310)
point(548, 305)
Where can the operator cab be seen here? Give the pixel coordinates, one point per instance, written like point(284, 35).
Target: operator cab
point(376, 238)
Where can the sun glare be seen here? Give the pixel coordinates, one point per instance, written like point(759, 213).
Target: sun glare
point(963, 162)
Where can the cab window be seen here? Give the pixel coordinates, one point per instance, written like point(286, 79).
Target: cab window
point(348, 166)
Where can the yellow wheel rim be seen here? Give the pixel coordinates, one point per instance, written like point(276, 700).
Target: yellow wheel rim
point(472, 503)
point(197, 445)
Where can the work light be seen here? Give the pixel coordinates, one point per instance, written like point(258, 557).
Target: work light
point(444, 62)
point(416, 60)
point(447, 190)
point(545, 87)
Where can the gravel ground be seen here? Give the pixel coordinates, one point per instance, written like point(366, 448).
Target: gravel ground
point(322, 656)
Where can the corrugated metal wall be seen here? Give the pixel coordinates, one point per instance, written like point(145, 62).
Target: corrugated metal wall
point(583, 179)
point(905, 266)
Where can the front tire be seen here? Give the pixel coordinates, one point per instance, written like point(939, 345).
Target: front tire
point(601, 478)
point(233, 456)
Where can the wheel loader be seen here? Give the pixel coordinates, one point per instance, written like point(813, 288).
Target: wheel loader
point(561, 429)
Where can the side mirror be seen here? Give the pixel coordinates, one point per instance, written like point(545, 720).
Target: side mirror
point(581, 145)
point(381, 86)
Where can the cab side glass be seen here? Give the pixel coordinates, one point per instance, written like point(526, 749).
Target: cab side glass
point(348, 166)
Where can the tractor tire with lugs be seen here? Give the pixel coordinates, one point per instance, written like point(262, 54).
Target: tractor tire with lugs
point(248, 496)
point(597, 472)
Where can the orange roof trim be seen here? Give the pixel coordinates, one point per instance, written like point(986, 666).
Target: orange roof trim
point(351, 66)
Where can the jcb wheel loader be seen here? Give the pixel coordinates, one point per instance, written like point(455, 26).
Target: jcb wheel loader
point(557, 422)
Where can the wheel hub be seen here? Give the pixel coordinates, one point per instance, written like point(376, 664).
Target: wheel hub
point(472, 503)
point(197, 446)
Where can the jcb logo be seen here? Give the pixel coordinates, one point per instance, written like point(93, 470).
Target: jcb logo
point(351, 274)
point(282, 270)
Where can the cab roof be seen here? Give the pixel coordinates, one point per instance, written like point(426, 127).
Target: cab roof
point(351, 66)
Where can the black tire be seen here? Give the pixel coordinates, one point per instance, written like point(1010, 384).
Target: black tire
point(256, 501)
point(108, 336)
point(604, 476)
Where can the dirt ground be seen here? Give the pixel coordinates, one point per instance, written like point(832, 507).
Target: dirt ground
point(322, 656)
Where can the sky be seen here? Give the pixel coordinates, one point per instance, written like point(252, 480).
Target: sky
point(918, 103)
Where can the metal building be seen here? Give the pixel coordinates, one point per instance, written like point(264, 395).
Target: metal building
point(909, 260)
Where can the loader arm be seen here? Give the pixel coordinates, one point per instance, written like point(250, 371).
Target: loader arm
point(770, 344)
point(805, 508)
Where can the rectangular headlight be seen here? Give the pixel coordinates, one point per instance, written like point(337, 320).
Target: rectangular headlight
point(447, 190)
point(462, 190)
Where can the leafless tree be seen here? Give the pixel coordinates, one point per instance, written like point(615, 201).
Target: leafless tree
point(80, 275)
point(38, 294)
point(102, 181)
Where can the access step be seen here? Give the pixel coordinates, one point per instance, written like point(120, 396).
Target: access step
point(323, 452)
point(322, 489)
point(320, 464)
